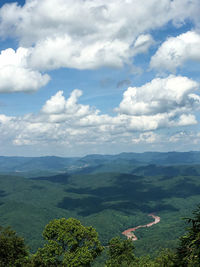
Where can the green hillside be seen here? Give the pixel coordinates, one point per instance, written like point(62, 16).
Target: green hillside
point(124, 162)
point(110, 202)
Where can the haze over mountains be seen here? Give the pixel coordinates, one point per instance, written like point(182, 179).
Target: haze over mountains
point(90, 163)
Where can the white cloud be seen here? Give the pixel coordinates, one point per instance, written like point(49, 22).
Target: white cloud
point(184, 137)
point(58, 109)
point(56, 104)
point(15, 75)
point(169, 95)
point(177, 137)
point(168, 102)
point(142, 43)
point(148, 137)
point(63, 51)
point(187, 119)
point(177, 50)
point(86, 34)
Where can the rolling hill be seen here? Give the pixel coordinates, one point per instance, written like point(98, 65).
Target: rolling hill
point(111, 193)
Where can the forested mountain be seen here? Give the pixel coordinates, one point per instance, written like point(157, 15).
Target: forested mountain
point(112, 193)
point(124, 162)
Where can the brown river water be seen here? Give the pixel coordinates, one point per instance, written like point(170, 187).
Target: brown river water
point(129, 232)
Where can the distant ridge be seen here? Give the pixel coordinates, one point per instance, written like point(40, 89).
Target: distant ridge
point(77, 164)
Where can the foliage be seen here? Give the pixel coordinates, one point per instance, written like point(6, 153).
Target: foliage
point(99, 199)
point(68, 244)
point(13, 251)
point(165, 258)
point(188, 252)
point(120, 252)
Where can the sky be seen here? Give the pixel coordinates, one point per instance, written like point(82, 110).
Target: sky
point(82, 77)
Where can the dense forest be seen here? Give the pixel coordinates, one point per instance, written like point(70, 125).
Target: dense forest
point(110, 193)
point(69, 243)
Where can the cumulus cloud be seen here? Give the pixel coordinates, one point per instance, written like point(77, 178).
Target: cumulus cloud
point(15, 75)
point(89, 34)
point(178, 136)
point(148, 137)
point(185, 137)
point(169, 95)
point(55, 105)
point(60, 109)
point(187, 119)
point(162, 103)
point(177, 50)
point(142, 43)
point(63, 51)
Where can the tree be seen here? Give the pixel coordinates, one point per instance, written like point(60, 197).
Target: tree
point(13, 251)
point(188, 252)
point(69, 243)
point(165, 258)
point(120, 253)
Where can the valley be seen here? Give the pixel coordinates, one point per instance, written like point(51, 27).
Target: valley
point(110, 193)
point(129, 232)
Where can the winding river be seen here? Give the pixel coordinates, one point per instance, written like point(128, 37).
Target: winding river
point(129, 232)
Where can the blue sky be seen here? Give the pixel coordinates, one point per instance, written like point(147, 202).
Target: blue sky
point(79, 77)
